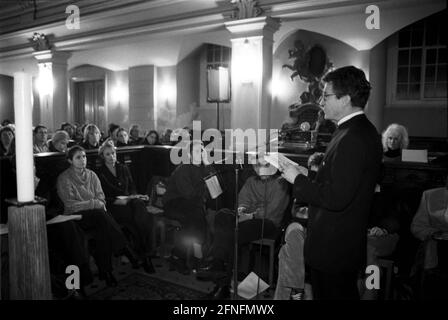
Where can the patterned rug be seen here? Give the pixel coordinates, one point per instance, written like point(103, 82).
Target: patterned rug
point(138, 286)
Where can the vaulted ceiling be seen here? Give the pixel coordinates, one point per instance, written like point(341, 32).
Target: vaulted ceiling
point(117, 34)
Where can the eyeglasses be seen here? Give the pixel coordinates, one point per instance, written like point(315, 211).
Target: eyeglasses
point(324, 97)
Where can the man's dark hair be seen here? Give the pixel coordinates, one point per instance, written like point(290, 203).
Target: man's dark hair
point(65, 124)
point(39, 126)
point(350, 81)
point(112, 128)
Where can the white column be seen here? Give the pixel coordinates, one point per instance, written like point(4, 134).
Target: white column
point(23, 111)
point(52, 87)
point(252, 46)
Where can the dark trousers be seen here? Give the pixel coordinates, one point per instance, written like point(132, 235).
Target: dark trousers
point(107, 236)
point(224, 240)
point(138, 222)
point(67, 241)
point(191, 215)
point(334, 286)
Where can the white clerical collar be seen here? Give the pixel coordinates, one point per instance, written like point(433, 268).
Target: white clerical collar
point(351, 115)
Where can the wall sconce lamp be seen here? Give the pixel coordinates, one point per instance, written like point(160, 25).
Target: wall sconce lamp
point(246, 62)
point(45, 83)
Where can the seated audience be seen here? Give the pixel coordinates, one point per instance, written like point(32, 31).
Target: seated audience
point(262, 202)
point(152, 138)
point(134, 135)
point(59, 142)
point(7, 141)
point(431, 222)
point(66, 241)
point(92, 136)
point(185, 201)
point(80, 191)
point(40, 139)
point(430, 225)
point(291, 263)
point(395, 139)
point(130, 212)
point(122, 137)
point(382, 235)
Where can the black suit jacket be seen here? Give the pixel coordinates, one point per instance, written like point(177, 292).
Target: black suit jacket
point(340, 198)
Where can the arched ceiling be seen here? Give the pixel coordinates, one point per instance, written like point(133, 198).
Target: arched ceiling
point(163, 32)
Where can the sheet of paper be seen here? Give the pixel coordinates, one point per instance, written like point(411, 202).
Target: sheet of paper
point(248, 287)
point(213, 186)
point(278, 160)
point(408, 155)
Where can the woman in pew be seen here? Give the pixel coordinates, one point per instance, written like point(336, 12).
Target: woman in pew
point(127, 208)
point(80, 191)
point(40, 139)
point(122, 138)
point(395, 138)
point(59, 142)
point(92, 136)
point(66, 243)
point(152, 138)
point(134, 136)
point(6, 141)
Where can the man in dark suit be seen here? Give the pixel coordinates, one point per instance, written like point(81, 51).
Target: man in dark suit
point(341, 195)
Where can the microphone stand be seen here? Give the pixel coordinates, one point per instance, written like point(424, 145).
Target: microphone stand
point(235, 259)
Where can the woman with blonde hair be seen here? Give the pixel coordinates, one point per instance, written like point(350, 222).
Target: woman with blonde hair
point(92, 136)
point(59, 141)
point(395, 138)
point(126, 206)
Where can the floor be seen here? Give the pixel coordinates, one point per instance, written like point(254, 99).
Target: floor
point(123, 268)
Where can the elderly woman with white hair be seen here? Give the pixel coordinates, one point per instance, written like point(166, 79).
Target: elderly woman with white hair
point(59, 141)
point(395, 138)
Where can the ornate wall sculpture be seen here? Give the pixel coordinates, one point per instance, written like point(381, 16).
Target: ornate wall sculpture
point(40, 42)
point(245, 9)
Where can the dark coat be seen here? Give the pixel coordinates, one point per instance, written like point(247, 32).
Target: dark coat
point(340, 198)
point(113, 186)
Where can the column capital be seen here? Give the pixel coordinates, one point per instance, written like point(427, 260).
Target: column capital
point(45, 56)
point(259, 26)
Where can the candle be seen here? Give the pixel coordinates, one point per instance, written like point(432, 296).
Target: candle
point(23, 137)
